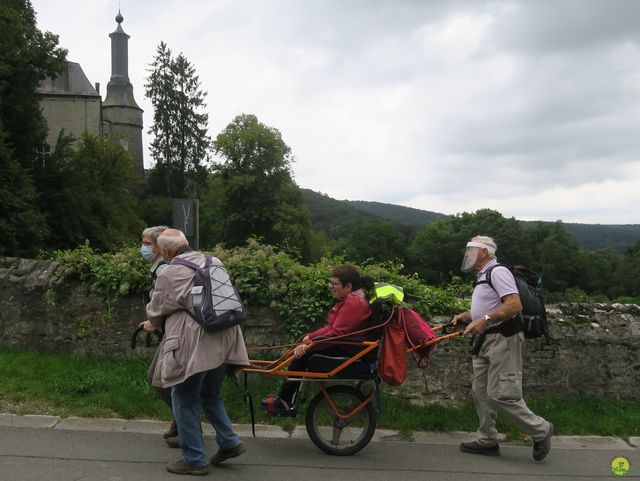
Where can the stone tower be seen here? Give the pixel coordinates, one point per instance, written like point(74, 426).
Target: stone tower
point(121, 114)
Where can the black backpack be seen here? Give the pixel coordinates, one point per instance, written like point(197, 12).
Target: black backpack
point(534, 313)
point(216, 302)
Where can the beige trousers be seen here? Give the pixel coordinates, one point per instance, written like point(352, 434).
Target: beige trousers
point(497, 387)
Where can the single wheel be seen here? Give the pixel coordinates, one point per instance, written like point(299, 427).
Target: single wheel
point(341, 437)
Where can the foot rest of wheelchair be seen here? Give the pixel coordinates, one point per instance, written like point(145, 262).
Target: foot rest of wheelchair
point(358, 369)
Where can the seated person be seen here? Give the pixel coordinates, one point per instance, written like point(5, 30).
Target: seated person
point(350, 314)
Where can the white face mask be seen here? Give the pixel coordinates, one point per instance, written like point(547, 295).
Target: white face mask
point(147, 253)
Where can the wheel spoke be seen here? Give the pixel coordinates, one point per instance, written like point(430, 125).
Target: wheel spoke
point(337, 431)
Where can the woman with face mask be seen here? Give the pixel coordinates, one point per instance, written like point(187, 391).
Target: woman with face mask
point(150, 251)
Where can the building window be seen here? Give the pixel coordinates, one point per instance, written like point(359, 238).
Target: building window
point(124, 142)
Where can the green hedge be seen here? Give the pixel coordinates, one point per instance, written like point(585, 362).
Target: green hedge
point(299, 293)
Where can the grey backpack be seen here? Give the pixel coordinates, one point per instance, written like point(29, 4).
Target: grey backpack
point(216, 302)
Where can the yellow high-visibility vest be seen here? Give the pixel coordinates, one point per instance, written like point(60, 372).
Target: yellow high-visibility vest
point(387, 292)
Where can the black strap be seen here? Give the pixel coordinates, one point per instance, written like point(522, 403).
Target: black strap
point(487, 275)
point(249, 400)
point(153, 272)
point(507, 328)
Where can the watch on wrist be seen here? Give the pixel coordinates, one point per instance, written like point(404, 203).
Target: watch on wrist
point(488, 319)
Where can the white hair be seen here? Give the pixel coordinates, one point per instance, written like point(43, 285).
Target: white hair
point(172, 240)
point(154, 232)
point(489, 243)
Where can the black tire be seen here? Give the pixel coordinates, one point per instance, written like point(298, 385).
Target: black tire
point(333, 435)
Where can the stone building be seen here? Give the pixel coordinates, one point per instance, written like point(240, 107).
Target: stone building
point(70, 102)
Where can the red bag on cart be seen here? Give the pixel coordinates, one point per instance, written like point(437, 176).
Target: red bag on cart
point(418, 332)
point(392, 360)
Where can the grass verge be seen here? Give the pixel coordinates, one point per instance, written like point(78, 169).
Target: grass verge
point(71, 385)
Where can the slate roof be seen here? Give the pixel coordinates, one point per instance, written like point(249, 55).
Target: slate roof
point(72, 81)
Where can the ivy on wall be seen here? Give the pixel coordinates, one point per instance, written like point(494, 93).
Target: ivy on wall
point(298, 293)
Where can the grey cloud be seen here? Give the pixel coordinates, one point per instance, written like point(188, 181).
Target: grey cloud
point(543, 26)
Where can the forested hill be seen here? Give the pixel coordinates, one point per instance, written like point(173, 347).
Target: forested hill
point(600, 236)
point(338, 217)
point(398, 213)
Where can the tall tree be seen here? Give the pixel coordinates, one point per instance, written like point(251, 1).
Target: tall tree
point(27, 56)
point(259, 197)
point(21, 223)
point(627, 276)
point(598, 270)
point(436, 252)
point(89, 194)
point(180, 145)
point(559, 260)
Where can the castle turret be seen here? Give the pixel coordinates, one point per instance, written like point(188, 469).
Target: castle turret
point(122, 115)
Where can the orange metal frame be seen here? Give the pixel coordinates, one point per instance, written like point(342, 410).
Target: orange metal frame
point(269, 368)
point(277, 368)
point(334, 408)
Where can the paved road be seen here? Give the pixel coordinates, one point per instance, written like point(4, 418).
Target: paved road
point(37, 448)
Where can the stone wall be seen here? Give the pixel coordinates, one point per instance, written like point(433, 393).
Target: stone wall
point(595, 350)
point(595, 347)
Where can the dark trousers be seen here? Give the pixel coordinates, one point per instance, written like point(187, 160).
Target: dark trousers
point(289, 388)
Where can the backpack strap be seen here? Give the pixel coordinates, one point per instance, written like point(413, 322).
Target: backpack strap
point(177, 261)
point(508, 327)
point(487, 276)
point(154, 272)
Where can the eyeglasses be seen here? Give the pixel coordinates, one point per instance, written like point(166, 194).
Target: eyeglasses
point(334, 283)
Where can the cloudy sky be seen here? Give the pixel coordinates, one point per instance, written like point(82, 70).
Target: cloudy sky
point(531, 108)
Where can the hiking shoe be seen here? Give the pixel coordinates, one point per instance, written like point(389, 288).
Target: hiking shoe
point(224, 454)
point(181, 467)
point(474, 447)
point(277, 406)
point(172, 432)
point(172, 442)
point(542, 448)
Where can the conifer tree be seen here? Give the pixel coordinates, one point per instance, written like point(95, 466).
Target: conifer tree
point(180, 145)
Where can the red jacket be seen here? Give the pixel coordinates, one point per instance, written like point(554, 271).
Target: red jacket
point(349, 315)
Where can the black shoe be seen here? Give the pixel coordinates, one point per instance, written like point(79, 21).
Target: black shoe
point(474, 447)
point(224, 454)
point(542, 448)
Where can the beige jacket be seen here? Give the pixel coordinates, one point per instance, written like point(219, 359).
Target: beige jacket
point(187, 348)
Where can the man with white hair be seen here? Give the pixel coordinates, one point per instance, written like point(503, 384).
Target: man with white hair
point(497, 357)
point(193, 361)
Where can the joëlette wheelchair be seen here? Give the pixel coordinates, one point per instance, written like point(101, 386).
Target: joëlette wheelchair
point(340, 419)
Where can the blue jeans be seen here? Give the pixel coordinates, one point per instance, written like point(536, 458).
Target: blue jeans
point(201, 389)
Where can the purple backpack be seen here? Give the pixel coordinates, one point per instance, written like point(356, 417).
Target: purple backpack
point(216, 303)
